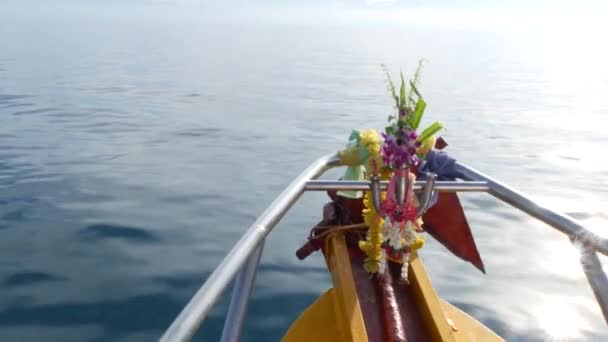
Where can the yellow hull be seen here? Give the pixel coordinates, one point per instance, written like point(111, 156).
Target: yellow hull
point(338, 314)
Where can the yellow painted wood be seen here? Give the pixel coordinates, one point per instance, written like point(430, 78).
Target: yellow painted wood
point(336, 316)
point(316, 323)
point(429, 303)
point(468, 328)
point(347, 304)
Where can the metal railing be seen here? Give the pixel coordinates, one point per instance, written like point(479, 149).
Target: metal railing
point(245, 255)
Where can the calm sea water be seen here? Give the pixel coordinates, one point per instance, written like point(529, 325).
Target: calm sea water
point(135, 148)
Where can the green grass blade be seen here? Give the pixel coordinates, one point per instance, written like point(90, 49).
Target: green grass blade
point(418, 72)
point(415, 89)
point(402, 97)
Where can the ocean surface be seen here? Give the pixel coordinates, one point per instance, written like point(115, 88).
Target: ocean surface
point(136, 147)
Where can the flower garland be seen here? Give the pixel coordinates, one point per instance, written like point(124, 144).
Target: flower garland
point(395, 232)
point(372, 246)
point(379, 239)
point(363, 158)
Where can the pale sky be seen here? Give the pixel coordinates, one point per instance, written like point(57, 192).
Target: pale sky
point(517, 15)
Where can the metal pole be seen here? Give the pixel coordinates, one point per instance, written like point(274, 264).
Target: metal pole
point(561, 222)
point(243, 286)
point(188, 321)
point(596, 277)
point(442, 186)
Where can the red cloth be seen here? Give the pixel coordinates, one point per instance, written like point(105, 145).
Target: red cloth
point(446, 222)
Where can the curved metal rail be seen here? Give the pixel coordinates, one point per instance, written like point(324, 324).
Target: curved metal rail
point(245, 255)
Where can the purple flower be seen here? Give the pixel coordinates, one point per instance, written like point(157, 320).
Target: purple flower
point(400, 147)
point(415, 160)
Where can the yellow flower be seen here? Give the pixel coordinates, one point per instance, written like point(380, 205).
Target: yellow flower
point(418, 243)
point(386, 173)
point(364, 246)
point(427, 145)
point(371, 141)
point(372, 246)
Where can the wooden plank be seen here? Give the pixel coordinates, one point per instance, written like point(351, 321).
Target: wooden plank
point(347, 301)
point(428, 302)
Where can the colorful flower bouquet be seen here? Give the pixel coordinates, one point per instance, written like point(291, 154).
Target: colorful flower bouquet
point(395, 224)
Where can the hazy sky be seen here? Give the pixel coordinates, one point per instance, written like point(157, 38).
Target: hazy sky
point(584, 15)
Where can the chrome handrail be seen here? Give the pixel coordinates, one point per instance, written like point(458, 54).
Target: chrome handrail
point(243, 285)
point(441, 186)
point(561, 222)
point(245, 255)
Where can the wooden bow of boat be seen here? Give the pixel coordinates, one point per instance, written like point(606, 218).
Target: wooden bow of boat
point(363, 308)
point(343, 313)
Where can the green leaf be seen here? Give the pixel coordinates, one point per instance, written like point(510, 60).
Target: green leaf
point(418, 112)
point(402, 97)
point(429, 131)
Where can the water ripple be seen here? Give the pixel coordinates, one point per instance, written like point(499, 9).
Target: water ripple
point(36, 111)
point(28, 278)
point(210, 132)
point(106, 231)
point(8, 98)
point(15, 215)
point(18, 105)
point(145, 312)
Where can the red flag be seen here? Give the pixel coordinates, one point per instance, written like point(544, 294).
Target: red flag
point(446, 222)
